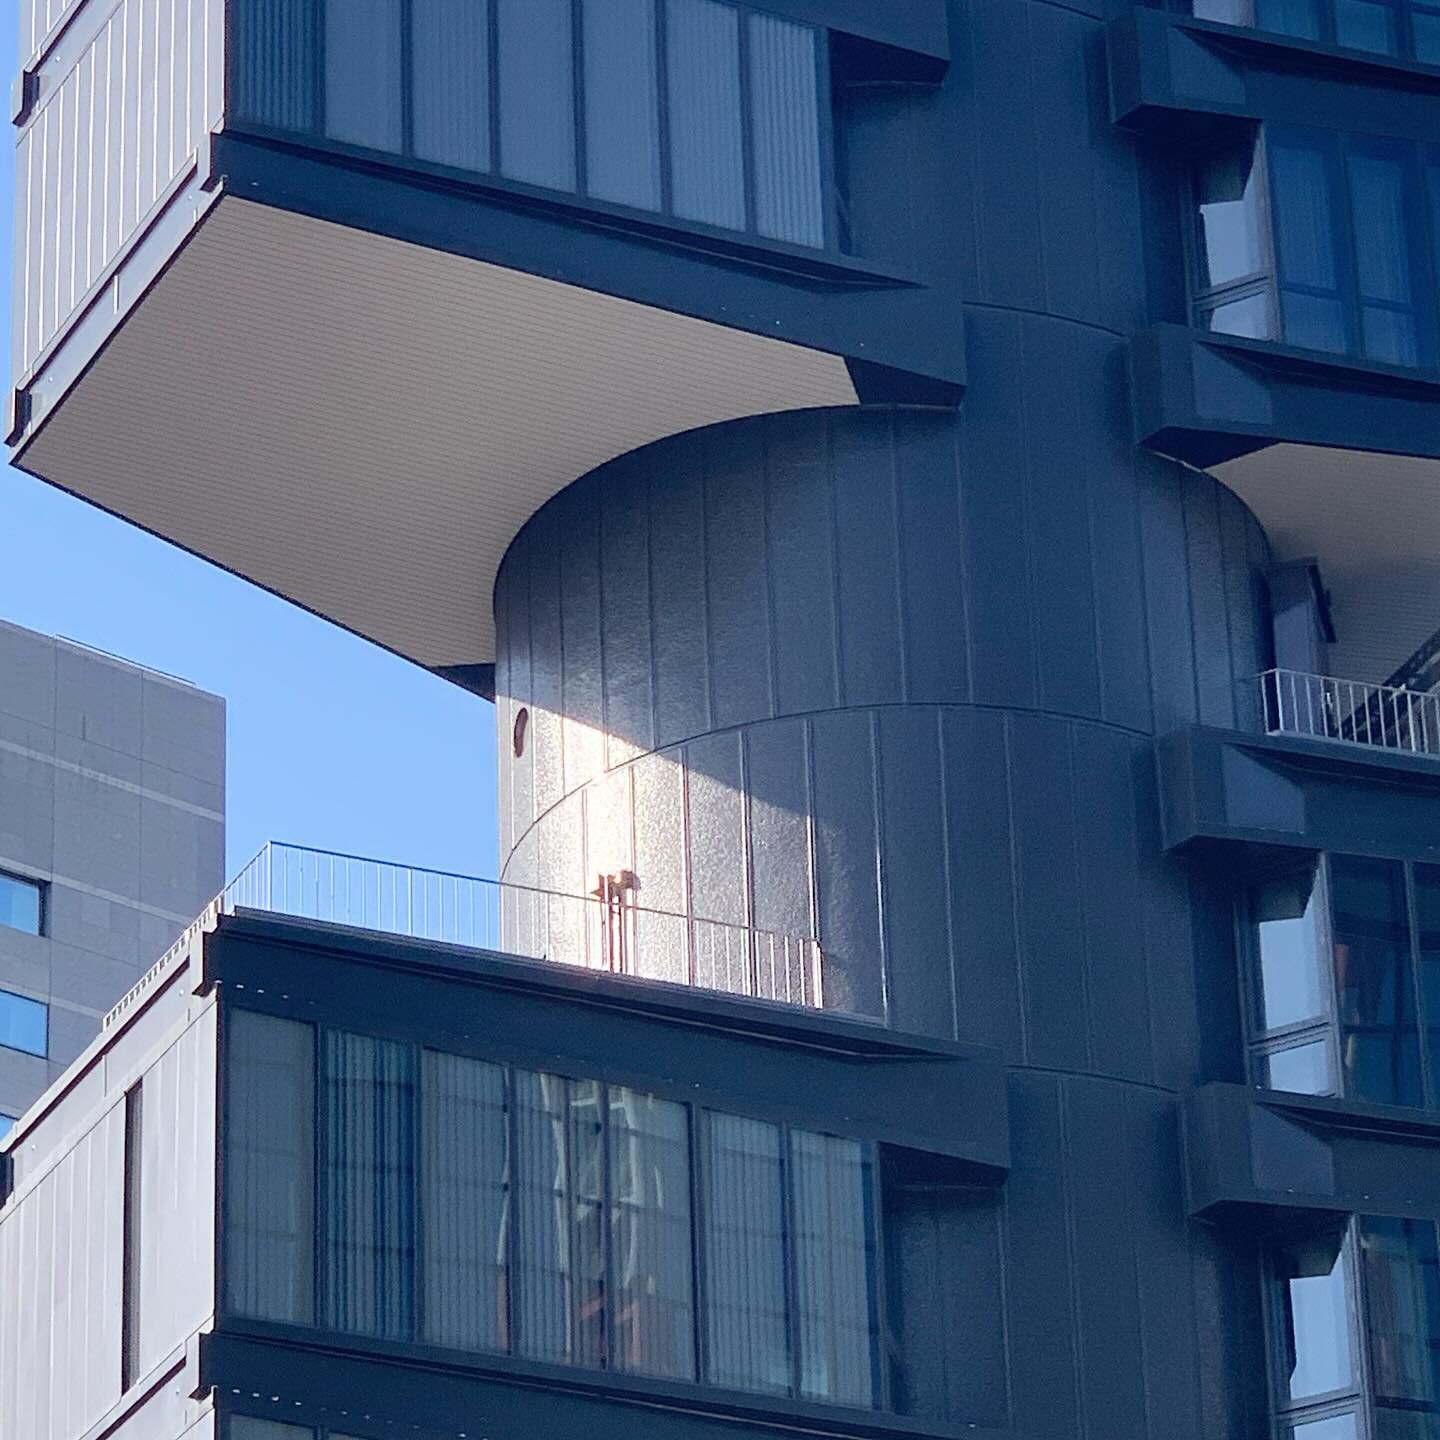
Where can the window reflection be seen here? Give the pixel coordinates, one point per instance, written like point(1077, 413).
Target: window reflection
point(1287, 914)
point(1400, 1270)
point(1301, 1069)
point(1315, 1305)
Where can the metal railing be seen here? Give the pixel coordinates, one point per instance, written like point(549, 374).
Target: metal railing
point(1294, 703)
point(601, 931)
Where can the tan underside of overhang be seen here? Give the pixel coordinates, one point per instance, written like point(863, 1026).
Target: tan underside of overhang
point(363, 425)
point(1373, 522)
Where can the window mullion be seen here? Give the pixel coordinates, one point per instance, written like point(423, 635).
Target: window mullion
point(747, 119)
point(791, 1254)
point(577, 76)
point(699, 1129)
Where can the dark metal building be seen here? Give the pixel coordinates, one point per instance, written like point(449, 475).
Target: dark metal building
point(957, 481)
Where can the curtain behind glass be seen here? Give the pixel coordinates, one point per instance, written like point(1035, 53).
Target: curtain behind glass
point(651, 1255)
point(743, 1246)
point(707, 151)
point(269, 1233)
point(368, 1185)
point(465, 1203)
point(542, 1217)
point(362, 73)
point(785, 110)
point(622, 103)
point(1303, 210)
point(834, 1262)
point(1379, 207)
point(1400, 1272)
point(450, 81)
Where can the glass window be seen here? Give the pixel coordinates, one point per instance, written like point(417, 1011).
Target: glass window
point(1379, 1035)
point(270, 1169)
point(1367, 25)
point(622, 103)
point(1331, 1427)
point(21, 903)
point(1425, 27)
point(1427, 916)
point(242, 1427)
point(1229, 194)
point(707, 153)
point(1288, 914)
point(1313, 1283)
point(834, 1266)
point(362, 73)
point(7, 1124)
point(24, 1024)
point(785, 106)
point(1289, 17)
point(1379, 205)
point(537, 92)
point(651, 1254)
point(367, 1178)
point(1249, 316)
point(1303, 209)
point(450, 69)
point(1400, 1272)
point(1300, 1069)
point(747, 1334)
point(465, 1161)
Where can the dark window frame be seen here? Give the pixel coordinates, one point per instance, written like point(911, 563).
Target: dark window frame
point(492, 178)
point(1403, 11)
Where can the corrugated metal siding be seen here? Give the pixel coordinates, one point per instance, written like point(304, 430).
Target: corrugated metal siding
point(112, 132)
point(60, 1281)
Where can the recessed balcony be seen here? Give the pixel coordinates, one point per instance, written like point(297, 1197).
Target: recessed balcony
point(338, 294)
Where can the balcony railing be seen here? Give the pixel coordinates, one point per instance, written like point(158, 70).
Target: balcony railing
point(604, 930)
point(1294, 703)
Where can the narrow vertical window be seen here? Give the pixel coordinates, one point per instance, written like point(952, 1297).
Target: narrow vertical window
point(537, 92)
point(450, 82)
point(1232, 247)
point(1379, 1035)
point(1380, 204)
point(707, 146)
point(363, 73)
point(368, 1185)
point(651, 1252)
point(269, 1229)
point(132, 1259)
point(1288, 916)
point(622, 103)
point(589, 1289)
point(275, 43)
point(1400, 1272)
point(1313, 1285)
point(833, 1201)
point(1303, 205)
point(743, 1245)
point(466, 1203)
point(785, 120)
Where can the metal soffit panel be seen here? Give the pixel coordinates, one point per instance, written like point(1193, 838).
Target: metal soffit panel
point(1373, 522)
point(362, 425)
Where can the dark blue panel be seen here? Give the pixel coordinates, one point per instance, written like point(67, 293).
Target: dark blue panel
point(913, 850)
point(738, 607)
point(546, 679)
point(537, 92)
point(982, 884)
point(274, 83)
point(994, 520)
point(450, 66)
point(1052, 938)
point(677, 571)
point(1167, 595)
point(582, 691)
point(363, 73)
point(707, 162)
point(622, 103)
point(931, 578)
point(867, 578)
point(1241, 603)
point(801, 560)
point(625, 540)
point(846, 846)
point(777, 775)
point(1214, 679)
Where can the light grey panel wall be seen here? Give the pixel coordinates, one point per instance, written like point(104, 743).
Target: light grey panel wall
point(60, 1345)
point(123, 117)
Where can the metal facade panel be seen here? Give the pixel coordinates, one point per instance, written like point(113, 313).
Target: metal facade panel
point(60, 1280)
point(117, 124)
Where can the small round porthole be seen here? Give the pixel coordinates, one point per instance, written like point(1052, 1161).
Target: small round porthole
point(522, 724)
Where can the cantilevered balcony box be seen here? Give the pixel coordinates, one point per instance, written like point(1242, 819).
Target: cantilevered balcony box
point(338, 294)
point(363, 1184)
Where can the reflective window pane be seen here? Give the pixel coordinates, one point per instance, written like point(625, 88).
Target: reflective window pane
point(450, 70)
point(785, 115)
point(1400, 1270)
point(1287, 915)
point(587, 1222)
point(537, 92)
point(1289, 17)
point(1301, 1069)
point(21, 906)
point(1367, 25)
point(466, 1202)
point(744, 1253)
point(1228, 12)
point(1315, 1309)
point(7, 1124)
point(651, 1254)
point(1314, 323)
point(362, 73)
point(707, 159)
point(1380, 209)
point(1427, 915)
point(270, 1169)
point(242, 1427)
point(1392, 1422)
point(622, 103)
point(1228, 194)
point(1332, 1427)
point(1249, 316)
point(1379, 1033)
point(1303, 209)
point(834, 1267)
point(542, 1222)
point(368, 1185)
point(276, 85)
point(1425, 27)
point(24, 1024)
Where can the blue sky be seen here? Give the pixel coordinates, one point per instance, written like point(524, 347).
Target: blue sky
point(332, 742)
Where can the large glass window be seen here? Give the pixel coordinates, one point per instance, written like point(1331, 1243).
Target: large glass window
point(1400, 1271)
point(1408, 28)
point(705, 110)
point(556, 1218)
point(22, 903)
point(1325, 241)
point(24, 1024)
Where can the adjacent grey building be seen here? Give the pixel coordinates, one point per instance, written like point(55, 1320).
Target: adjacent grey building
point(112, 836)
